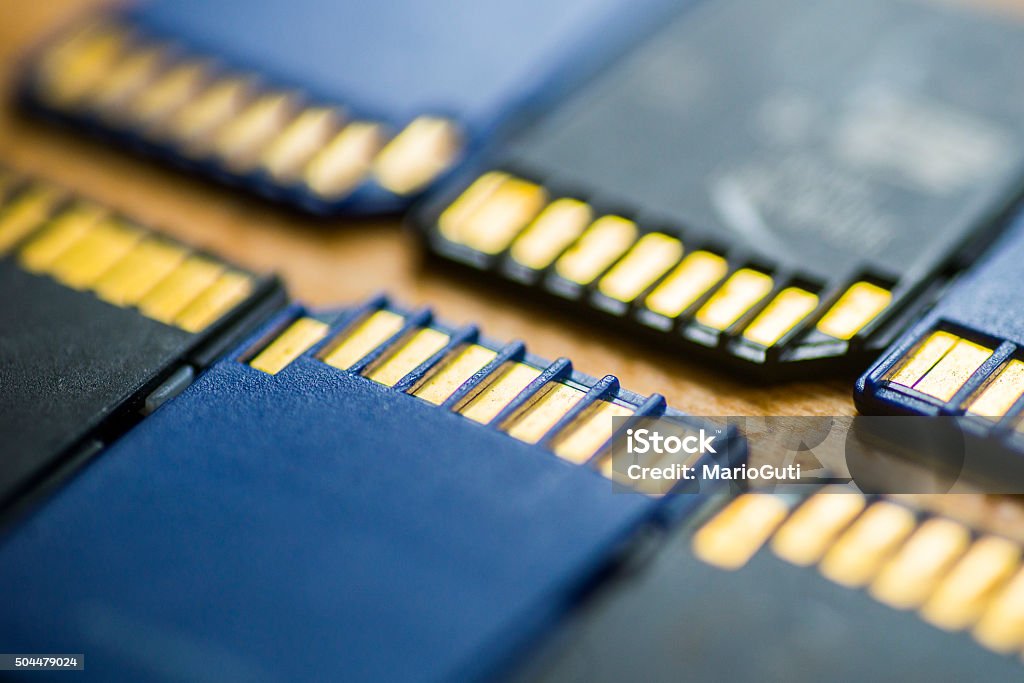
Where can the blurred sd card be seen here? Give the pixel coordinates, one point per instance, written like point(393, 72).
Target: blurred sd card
point(774, 184)
point(837, 586)
point(331, 106)
point(100, 321)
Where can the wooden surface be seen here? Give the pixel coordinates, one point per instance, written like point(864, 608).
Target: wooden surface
point(337, 262)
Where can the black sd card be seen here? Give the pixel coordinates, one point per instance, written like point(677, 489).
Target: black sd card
point(101, 320)
point(778, 184)
point(837, 586)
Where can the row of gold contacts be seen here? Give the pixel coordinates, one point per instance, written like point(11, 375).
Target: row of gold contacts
point(500, 386)
point(956, 579)
point(155, 90)
point(501, 214)
point(962, 375)
point(86, 247)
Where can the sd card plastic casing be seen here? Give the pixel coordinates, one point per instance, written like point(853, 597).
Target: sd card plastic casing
point(98, 314)
point(963, 361)
point(713, 603)
point(286, 519)
point(778, 186)
point(331, 107)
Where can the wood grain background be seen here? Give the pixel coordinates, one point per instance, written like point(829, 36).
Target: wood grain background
point(336, 262)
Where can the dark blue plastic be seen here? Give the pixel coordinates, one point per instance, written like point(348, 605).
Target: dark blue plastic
point(486, 65)
point(397, 58)
point(985, 306)
point(310, 525)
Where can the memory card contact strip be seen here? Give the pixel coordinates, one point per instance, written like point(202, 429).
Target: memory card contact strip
point(679, 285)
point(236, 124)
point(957, 578)
point(499, 386)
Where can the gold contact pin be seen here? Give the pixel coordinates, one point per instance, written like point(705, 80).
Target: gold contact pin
point(289, 152)
point(649, 259)
point(601, 245)
point(136, 69)
point(176, 291)
point(581, 440)
point(537, 419)
point(423, 344)
point(502, 216)
point(737, 295)
point(356, 344)
point(911, 575)
point(300, 336)
point(64, 230)
point(1000, 394)
point(963, 594)
point(735, 534)
point(225, 293)
point(953, 370)
point(785, 312)
point(95, 253)
point(240, 141)
point(418, 154)
point(857, 307)
point(557, 226)
point(497, 391)
point(139, 271)
point(73, 69)
point(454, 217)
point(859, 553)
point(809, 531)
point(1001, 627)
point(345, 161)
point(199, 119)
point(26, 212)
point(923, 358)
point(698, 272)
point(169, 93)
point(444, 381)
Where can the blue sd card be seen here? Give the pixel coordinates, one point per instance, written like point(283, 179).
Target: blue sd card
point(965, 357)
point(363, 496)
point(334, 107)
